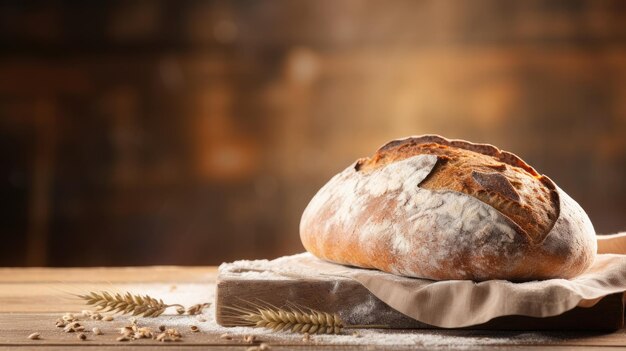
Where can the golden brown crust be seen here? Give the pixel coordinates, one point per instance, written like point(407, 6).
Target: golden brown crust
point(496, 177)
point(434, 208)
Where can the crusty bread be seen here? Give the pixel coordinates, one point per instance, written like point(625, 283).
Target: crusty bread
point(434, 208)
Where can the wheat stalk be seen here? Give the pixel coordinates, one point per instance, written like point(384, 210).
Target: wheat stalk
point(292, 318)
point(136, 304)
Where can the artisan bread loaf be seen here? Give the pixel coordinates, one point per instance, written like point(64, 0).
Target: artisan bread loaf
point(434, 208)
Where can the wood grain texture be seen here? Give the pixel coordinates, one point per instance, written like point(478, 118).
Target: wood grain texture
point(32, 299)
point(162, 274)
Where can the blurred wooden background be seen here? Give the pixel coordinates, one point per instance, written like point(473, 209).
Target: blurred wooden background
point(195, 132)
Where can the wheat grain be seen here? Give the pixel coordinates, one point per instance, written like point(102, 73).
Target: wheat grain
point(127, 303)
point(69, 317)
point(73, 327)
point(34, 336)
point(250, 339)
point(135, 304)
point(169, 335)
point(126, 331)
point(197, 308)
point(292, 318)
point(86, 313)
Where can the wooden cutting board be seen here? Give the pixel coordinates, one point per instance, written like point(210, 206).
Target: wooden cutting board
point(356, 305)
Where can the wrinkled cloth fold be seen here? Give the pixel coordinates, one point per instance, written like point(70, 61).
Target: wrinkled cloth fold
point(463, 303)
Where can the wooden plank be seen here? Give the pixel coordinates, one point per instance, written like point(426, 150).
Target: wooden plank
point(108, 274)
point(54, 297)
point(25, 293)
point(16, 327)
point(357, 305)
point(305, 348)
point(175, 347)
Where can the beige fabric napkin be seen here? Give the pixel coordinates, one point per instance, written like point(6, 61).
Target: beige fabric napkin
point(462, 303)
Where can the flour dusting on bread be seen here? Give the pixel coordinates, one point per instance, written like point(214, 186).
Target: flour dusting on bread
point(385, 213)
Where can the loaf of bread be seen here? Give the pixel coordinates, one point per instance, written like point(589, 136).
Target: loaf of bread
point(434, 208)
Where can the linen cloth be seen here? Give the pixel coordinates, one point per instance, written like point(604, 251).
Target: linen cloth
point(463, 303)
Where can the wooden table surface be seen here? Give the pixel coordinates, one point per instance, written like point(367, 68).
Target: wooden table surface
point(31, 299)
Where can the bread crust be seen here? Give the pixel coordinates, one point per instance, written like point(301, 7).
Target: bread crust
point(497, 178)
point(435, 208)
